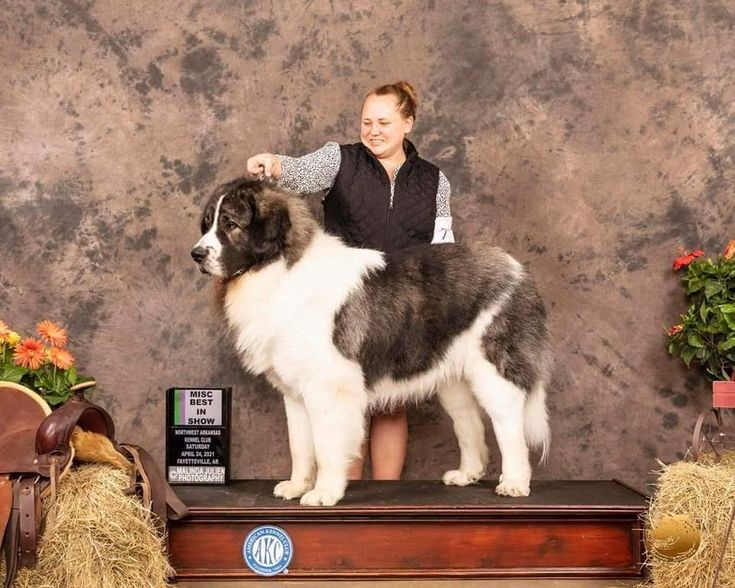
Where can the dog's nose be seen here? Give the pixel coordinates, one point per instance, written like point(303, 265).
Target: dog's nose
point(198, 254)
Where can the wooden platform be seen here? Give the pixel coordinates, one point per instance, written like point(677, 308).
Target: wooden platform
point(411, 529)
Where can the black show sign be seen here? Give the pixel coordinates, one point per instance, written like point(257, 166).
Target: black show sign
point(198, 435)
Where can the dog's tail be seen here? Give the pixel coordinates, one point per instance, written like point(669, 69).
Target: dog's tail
point(536, 421)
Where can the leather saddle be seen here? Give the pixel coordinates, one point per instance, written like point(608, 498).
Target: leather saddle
point(36, 448)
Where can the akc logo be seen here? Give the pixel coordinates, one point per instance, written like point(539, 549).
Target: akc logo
point(268, 550)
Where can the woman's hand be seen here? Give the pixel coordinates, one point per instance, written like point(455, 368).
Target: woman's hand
point(265, 164)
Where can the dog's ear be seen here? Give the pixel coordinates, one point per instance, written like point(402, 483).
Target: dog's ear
point(277, 223)
point(270, 226)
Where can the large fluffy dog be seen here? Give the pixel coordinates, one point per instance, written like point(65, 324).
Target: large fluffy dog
point(340, 330)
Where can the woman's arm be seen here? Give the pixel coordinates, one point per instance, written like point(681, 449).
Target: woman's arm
point(308, 173)
point(312, 172)
point(443, 224)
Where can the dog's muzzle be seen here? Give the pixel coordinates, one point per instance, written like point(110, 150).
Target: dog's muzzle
point(199, 255)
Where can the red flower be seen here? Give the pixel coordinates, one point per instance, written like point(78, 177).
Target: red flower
point(675, 329)
point(687, 258)
point(29, 353)
point(730, 249)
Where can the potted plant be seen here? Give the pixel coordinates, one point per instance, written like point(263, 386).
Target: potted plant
point(43, 363)
point(706, 333)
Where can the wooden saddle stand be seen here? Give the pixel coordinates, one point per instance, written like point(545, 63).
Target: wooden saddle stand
point(35, 451)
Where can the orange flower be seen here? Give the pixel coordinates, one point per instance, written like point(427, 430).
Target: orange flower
point(730, 249)
point(61, 358)
point(29, 353)
point(687, 258)
point(52, 333)
point(675, 329)
point(4, 331)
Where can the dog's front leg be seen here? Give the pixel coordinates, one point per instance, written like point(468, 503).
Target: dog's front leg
point(301, 444)
point(337, 417)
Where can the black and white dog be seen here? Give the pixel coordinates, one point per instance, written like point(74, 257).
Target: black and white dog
point(340, 331)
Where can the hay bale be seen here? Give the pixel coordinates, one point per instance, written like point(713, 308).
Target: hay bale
point(96, 536)
point(704, 492)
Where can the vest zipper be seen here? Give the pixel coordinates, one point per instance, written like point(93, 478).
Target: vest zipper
point(390, 206)
point(387, 230)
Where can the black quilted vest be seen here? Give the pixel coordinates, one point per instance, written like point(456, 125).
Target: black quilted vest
point(357, 208)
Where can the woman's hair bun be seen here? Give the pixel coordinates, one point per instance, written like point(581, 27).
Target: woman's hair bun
point(405, 96)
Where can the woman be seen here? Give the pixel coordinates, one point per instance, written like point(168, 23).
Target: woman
point(380, 195)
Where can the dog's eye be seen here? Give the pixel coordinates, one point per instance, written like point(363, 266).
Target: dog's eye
point(229, 224)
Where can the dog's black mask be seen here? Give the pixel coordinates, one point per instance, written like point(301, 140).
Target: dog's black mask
point(241, 229)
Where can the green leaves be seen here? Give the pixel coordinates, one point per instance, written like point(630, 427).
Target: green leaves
point(694, 285)
point(687, 354)
point(706, 334)
point(71, 375)
point(55, 399)
point(712, 288)
point(695, 340)
point(12, 373)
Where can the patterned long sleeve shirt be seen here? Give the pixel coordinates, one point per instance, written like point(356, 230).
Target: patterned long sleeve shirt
point(317, 171)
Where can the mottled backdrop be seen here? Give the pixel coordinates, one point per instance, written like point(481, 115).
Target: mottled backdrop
point(591, 139)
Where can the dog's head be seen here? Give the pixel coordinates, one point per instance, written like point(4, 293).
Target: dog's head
point(245, 225)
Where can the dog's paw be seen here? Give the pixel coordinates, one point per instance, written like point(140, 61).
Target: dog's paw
point(288, 490)
point(512, 488)
point(460, 477)
point(320, 498)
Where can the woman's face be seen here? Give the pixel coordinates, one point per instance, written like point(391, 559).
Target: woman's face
point(383, 127)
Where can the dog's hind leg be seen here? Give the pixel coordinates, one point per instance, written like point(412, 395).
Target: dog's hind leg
point(504, 402)
point(337, 417)
point(457, 399)
point(301, 443)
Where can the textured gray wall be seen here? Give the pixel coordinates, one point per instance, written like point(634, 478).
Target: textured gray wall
point(588, 138)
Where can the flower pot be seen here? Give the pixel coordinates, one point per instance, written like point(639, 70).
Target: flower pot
point(723, 394)
point(20, 391)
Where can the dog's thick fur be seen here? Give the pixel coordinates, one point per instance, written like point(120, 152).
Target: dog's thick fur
point(340, 331)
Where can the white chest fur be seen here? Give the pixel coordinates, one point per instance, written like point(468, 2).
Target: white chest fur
point(283, 316)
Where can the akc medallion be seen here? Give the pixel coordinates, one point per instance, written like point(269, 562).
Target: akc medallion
point(268, 550)
point(675, 538)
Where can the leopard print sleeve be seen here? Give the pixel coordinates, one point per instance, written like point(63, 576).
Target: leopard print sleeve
point(443, 192)
point(443, 224)
point(312, 172)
